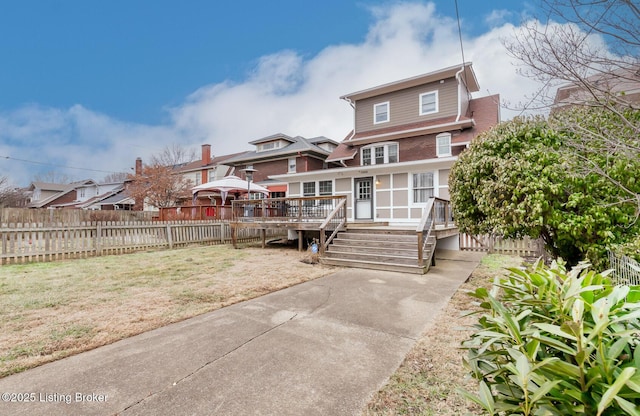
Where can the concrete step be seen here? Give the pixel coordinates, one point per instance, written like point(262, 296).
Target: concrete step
point(373, 248)
point(365, 264)
point(378, 237)
point(374, 258)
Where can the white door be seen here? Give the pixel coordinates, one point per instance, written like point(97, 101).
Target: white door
point(364, 198)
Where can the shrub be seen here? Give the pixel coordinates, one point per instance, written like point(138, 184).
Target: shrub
point(552, 342)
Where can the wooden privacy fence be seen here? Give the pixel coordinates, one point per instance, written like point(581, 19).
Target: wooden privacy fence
point(22, 243)
point(69, 216)
point(525, 247)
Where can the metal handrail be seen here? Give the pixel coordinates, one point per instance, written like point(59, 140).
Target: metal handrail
point(340, 208)
point(428, 223)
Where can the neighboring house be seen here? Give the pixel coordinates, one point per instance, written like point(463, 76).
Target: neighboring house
point(45, 195)
point(407, 134)
point(86, 194)
point(207, 169)
point(280, 154)
point(622, 86)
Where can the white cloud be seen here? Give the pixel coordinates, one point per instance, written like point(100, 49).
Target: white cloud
point(498, 17)
point(285, 93)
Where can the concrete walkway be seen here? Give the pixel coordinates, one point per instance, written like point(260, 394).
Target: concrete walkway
point(318, 348)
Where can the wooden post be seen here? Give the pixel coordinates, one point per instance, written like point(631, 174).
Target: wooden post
point(263, 236)
point(300, 245)
point(234, 237)
point(169, 236)
point(99, 239)
point(323, 239)
point(420, 253)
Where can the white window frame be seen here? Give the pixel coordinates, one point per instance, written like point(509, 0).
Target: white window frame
point(291, 165)
point(386, 153)
point(437, 105)
point(443, 140)
point(433, 187)
point(375, 112)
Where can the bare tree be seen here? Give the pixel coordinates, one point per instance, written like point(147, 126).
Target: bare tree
point(590, 64)
point(173, 155)
point(10, 196)
point(159, 186)
point(52, 177)
point(115, 177)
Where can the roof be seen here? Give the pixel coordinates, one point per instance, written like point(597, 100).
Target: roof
point(62, 189)
point(621, 81)
point(297, 144)
point(118, 198)
point(468, 76)
point(215, 161)
point(274, 137)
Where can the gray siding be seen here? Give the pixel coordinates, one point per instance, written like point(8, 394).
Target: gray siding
point(404, 106)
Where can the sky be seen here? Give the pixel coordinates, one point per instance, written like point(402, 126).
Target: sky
point(86, 86)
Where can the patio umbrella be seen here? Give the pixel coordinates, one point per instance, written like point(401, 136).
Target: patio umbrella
point(228, 184)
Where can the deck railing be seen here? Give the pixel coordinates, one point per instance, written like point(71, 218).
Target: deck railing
point(301, 209)
point(196, 212)
point(436, 213)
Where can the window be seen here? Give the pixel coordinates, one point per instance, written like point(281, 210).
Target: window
point(278, 194)
point(212, 175)
point(325, 188)
point(269, 146)
point(366, 156)
point(198, 178)
point(429, 103)
point(292, 165)
point(379, 154)
point(443, 144)
point(308, 189)
point(392, 154)
point(82, 192)
point(422, 186)
point(381, 113)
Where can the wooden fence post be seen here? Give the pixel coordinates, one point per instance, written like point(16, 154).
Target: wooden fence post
point(98, 239)
point(169, 236)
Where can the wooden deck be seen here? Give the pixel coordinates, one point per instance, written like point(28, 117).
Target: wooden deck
point(324, 213)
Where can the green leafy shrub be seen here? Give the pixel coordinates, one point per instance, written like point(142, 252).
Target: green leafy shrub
point(552, 342)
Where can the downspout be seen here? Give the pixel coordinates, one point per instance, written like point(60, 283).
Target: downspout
point(459, 95)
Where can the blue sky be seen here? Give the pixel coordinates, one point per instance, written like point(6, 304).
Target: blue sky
point(93, 84)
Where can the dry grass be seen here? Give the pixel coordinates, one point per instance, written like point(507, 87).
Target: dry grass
point(53, 310)
point(426, 381)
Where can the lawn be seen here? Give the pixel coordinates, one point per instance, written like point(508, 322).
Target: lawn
point(53, 310)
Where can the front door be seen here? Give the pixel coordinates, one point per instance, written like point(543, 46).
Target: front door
point(364, 198)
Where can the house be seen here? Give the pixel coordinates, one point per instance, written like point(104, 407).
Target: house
point(48, 195)
point(85, 194)
point(208, 168)
point(406, 136)
point(281, 154)
point(621, 86)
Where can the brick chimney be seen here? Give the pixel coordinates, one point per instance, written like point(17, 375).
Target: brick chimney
point(206, 154)
point(138, 169)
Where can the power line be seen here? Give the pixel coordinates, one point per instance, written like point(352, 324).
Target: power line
point(34, 162)
point(460, 34)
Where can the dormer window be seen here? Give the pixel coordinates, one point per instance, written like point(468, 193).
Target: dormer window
point(429, 103)
point(263, 147)
point(443, 144)
point(381, 113)
point(379, 154)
